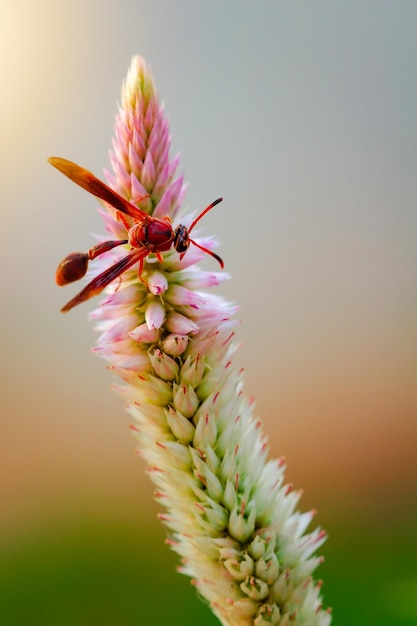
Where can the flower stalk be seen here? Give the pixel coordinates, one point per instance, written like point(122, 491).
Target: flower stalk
point(232, 519)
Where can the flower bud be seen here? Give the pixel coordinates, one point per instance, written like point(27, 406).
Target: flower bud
point(185, 400)
point(255, 588)
point(143, 334)
point(180, 426)
point(229, 495)
point(175, 345)
point(269, 615)
point(192, 371)
point(257, 547)
point(155, 391)
point(180, 324)
point(267, 570)
point(206, 431)
point(164, 366)
point(217, 518)
point(157, 283)
point(178, 454)
point(241, 568)
point(180, 296)
point(154, 314)
point(241, 527)
point(213, 485)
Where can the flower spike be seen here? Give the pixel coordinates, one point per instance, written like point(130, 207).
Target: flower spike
point(232, 519)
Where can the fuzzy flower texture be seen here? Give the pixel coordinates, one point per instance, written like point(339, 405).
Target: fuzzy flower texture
point(231, 518)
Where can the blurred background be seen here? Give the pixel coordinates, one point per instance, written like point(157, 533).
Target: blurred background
point(303, 116)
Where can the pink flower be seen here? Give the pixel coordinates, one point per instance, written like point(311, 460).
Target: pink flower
point(232, 519)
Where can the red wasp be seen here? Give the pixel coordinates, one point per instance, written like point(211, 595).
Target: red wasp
point(148, 235)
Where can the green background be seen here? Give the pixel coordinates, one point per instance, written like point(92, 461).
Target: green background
point(118, 571)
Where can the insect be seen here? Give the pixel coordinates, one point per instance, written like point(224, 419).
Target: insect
point(147, 235)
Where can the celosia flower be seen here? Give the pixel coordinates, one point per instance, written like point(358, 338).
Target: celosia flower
point(232, 519)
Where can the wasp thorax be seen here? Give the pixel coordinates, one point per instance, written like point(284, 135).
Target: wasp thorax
point(138, 235)
point(155, 235)
point(181, 239)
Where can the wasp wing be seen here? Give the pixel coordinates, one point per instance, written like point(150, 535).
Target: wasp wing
point(89, 182)
point(101, 281)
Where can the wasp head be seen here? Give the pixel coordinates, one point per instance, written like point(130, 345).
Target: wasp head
point(181, 239)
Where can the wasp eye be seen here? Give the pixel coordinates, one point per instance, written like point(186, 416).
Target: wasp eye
point(181, 239)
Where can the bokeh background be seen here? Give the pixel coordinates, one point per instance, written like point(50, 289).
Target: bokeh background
point(303, 116)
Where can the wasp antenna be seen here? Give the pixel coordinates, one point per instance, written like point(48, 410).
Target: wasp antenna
point(197, 219)
point(213, 254)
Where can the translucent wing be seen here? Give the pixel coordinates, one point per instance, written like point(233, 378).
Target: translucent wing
point(101, 281)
